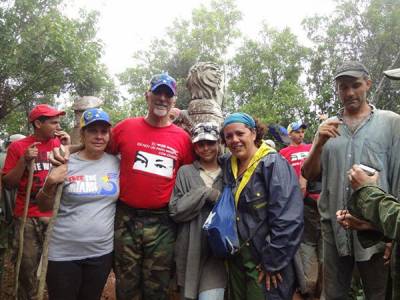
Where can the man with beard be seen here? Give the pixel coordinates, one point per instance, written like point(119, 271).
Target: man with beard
point(152, 149)
point(360, 133)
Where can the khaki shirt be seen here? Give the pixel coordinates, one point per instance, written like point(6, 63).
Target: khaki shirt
point(375, 143)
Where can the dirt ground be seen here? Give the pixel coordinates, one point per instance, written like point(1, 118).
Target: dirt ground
point(6, 293)
point(108, 293)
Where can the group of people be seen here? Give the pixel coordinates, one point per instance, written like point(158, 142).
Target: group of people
point(135, 197)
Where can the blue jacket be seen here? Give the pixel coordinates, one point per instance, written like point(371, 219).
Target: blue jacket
point(272, 196)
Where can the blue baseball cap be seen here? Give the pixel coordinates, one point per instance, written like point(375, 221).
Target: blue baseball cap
point(163, 79)
point(92, 115)
point(296, 126)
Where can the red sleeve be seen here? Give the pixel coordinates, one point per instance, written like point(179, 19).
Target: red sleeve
point(113, 145)
point(189, 156)
point(14, 152)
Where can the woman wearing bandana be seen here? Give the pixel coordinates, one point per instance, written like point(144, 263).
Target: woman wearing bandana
point(269, 213)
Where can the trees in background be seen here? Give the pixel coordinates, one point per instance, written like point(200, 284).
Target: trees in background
point(265, 77)
point(44, 53)
point(364, 30)
point(205, 37)
point(273, 76)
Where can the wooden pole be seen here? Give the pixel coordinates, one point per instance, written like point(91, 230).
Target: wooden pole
point(22, 225)
point(45, 253)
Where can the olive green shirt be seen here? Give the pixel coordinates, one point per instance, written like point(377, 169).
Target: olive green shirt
point(375, 143)
point(383, 211)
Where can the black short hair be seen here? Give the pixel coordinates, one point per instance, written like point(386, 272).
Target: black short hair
point(42, 119)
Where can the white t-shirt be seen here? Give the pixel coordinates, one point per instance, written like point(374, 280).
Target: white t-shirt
point(84, 226)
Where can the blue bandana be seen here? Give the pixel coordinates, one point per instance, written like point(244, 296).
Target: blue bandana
point(239, 118)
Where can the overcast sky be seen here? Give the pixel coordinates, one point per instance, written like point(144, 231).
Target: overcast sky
point(129, 25)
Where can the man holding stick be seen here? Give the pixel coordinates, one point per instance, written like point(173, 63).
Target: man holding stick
point(33, 150)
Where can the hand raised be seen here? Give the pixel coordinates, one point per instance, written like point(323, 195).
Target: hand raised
point(327, 130)
point(63, 137)
point(31, 152)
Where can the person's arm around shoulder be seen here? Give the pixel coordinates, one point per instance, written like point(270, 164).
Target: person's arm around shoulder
point(46, 195)
point(311, 169)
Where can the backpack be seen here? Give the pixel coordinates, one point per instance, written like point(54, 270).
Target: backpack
point(220, 226)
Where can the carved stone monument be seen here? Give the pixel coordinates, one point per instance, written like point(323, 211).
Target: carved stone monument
point(205, 84)
point(79, 106)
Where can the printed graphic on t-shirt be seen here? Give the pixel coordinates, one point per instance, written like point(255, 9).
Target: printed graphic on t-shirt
point(42, 162)
point(154, 164)
point(89, 185)
point(298, 156)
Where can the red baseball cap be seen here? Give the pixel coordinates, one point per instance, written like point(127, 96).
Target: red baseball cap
point(44, 110)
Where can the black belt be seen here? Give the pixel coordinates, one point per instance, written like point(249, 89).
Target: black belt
point(143, 212)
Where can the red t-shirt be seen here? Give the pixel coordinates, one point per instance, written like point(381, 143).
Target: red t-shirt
point(296, 155)
point(150, 159)
point(42, 166)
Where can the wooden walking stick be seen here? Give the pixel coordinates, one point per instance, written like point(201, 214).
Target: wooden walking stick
point(45, 252)
point(22, 226)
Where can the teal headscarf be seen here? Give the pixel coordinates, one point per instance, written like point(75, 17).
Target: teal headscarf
point(239, 117)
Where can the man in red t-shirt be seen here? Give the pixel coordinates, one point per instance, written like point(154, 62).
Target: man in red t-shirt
point(310, 250)
point(46, 136)
point(152, 149)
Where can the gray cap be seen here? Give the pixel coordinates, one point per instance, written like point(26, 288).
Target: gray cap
point(208, 131)
point(16, 137)
point(352, 69)
point(13, 138)
point(393, 74)
point(270, 143)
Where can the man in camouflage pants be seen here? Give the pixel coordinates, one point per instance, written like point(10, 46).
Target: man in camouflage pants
point(152, 149)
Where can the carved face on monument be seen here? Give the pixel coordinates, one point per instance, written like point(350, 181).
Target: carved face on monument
point(205, 81)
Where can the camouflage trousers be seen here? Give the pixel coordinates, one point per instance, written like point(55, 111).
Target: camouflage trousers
point(143, 248)
point(34, 233)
